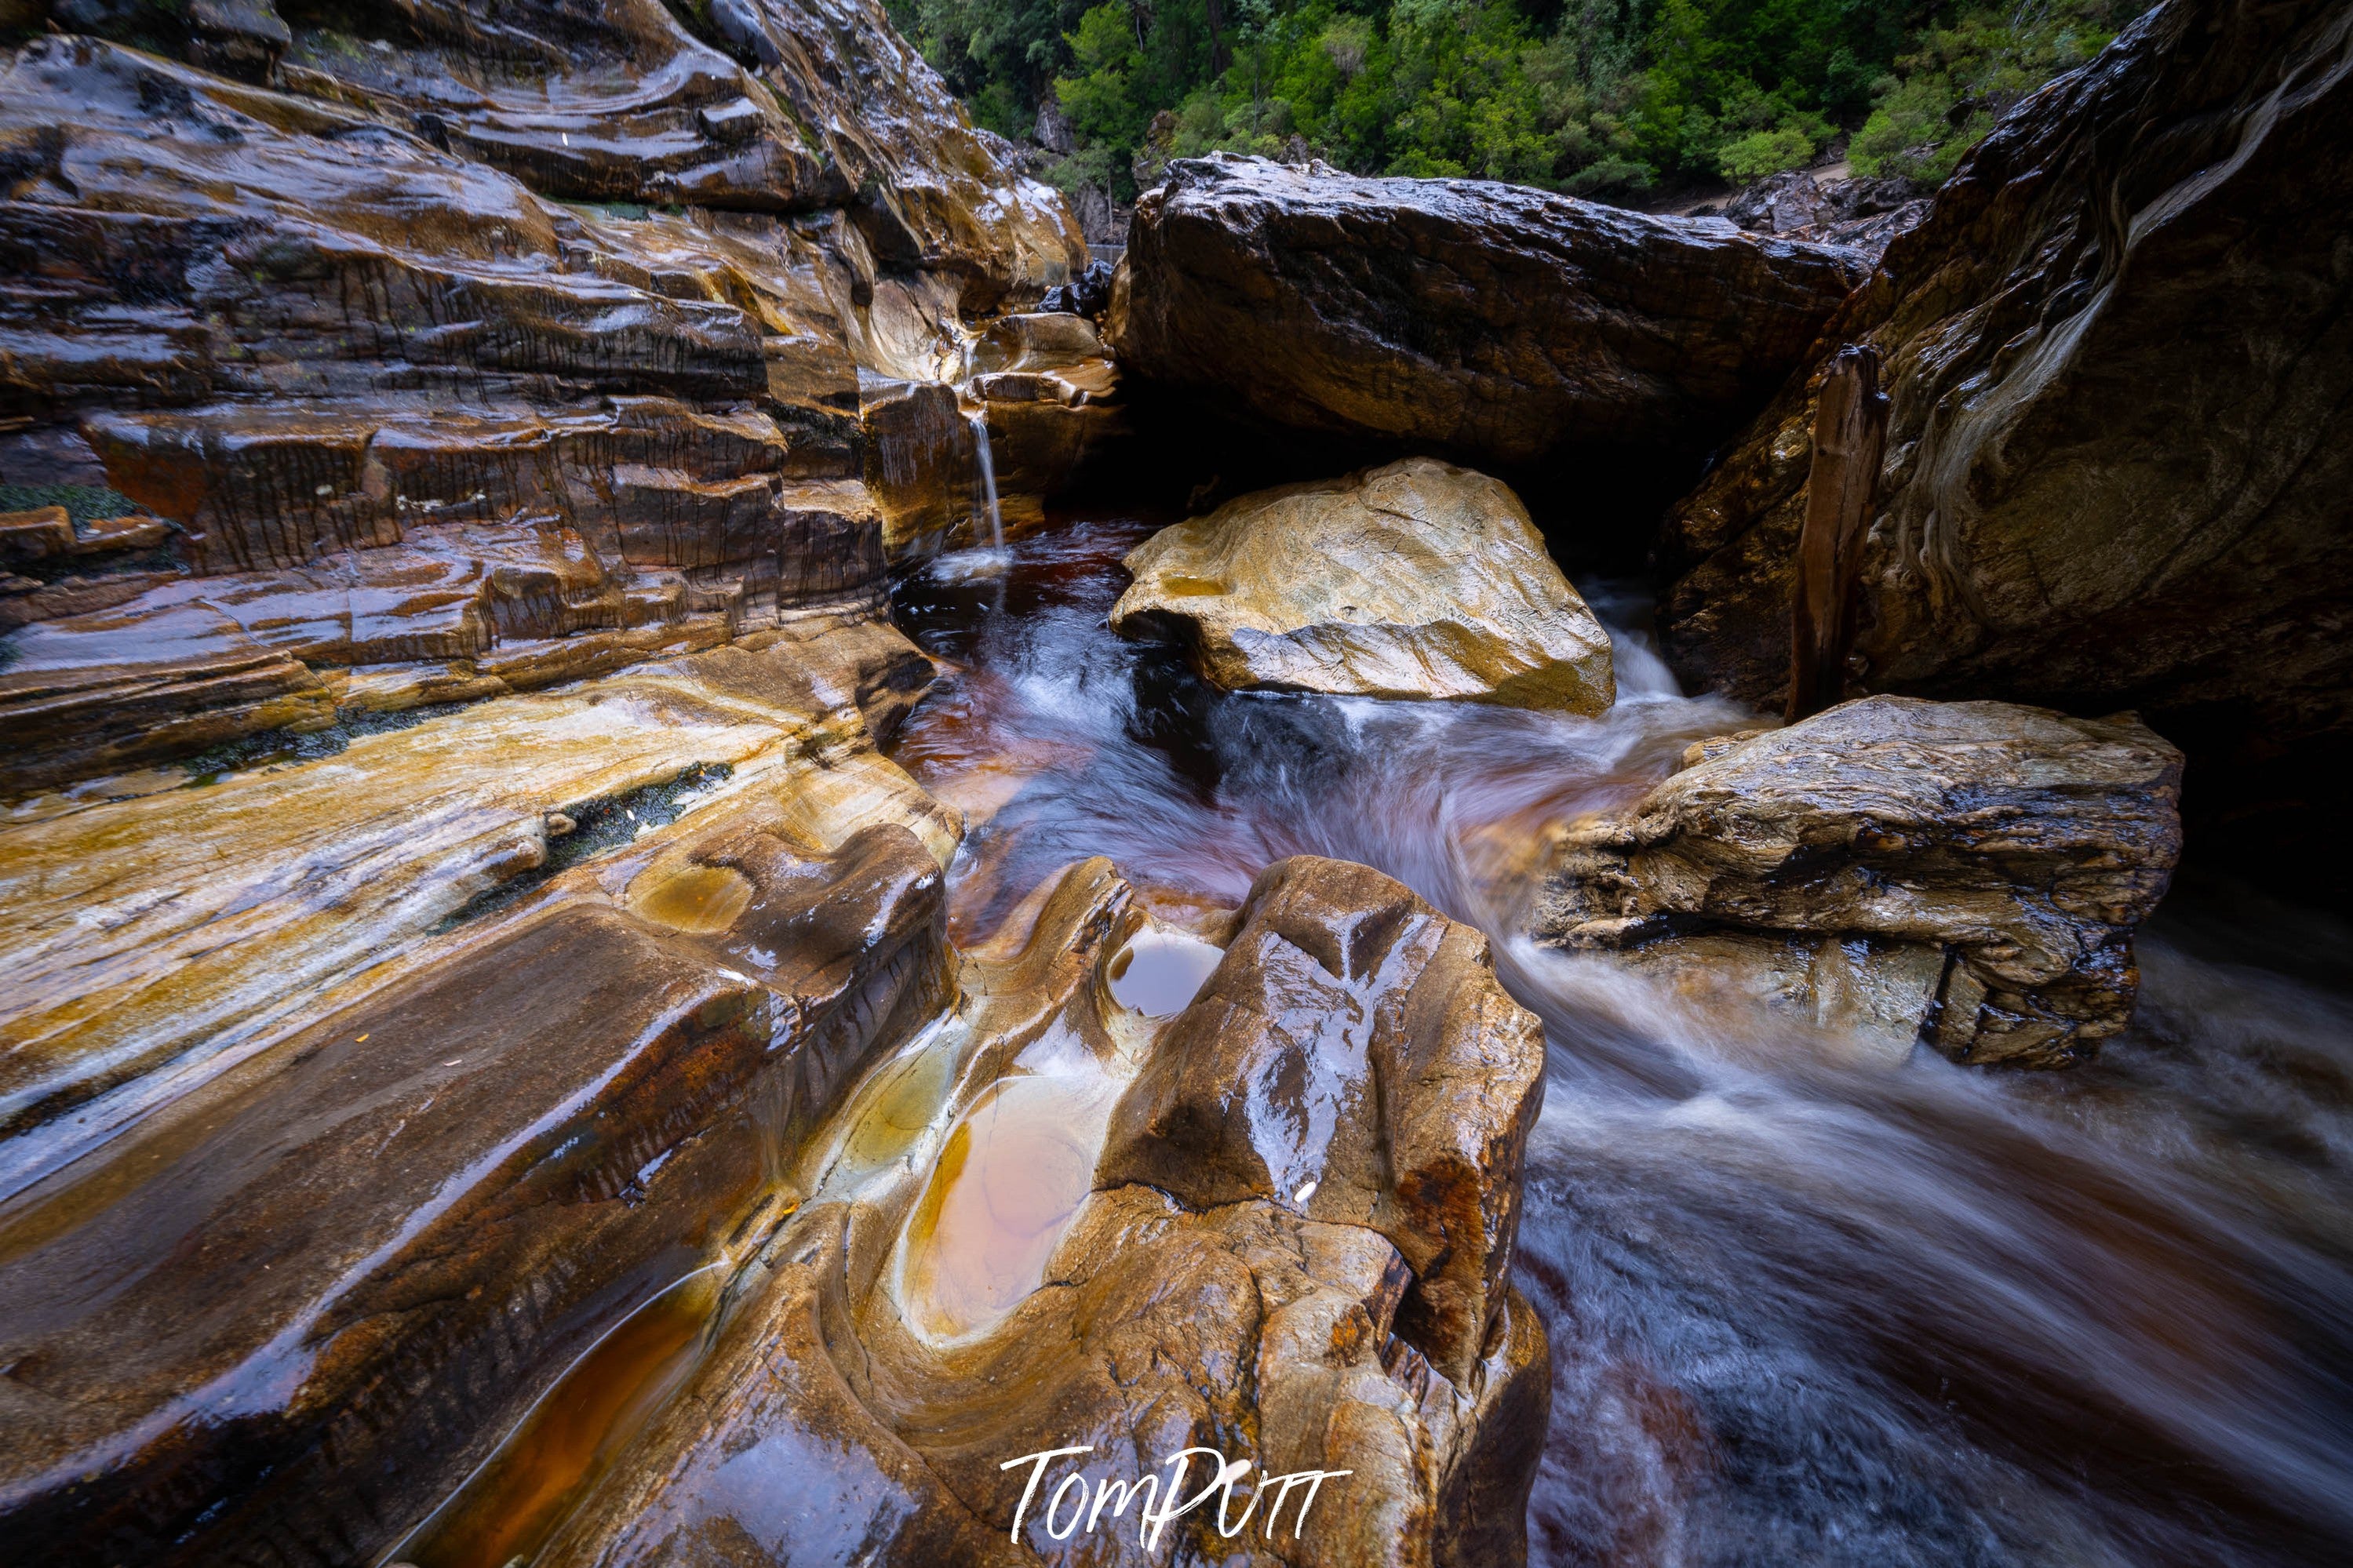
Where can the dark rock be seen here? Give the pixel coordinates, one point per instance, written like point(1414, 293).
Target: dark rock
point(1499, 324)
point(1782, 203)
point(2120, 353)
point(1088, 294)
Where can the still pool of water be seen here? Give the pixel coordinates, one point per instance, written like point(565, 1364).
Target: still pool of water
point(1800, 1313)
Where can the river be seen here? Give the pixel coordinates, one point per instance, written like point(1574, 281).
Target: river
point(1799, 1312)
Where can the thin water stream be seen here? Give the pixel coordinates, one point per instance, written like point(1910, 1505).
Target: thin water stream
point(1801, 1313)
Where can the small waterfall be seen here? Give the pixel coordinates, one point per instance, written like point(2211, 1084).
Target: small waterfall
point(987, 467)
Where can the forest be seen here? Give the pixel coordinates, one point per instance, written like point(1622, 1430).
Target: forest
point(1598, 97)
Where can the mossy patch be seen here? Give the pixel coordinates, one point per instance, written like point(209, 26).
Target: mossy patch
point(85, 504)
point(602, 825)
point(271, 748)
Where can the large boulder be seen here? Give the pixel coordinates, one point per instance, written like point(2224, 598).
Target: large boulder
point(1974, 867)
point(2120, 359)
point(1415, 579)
point(1499, 324)
point(1353, 1057)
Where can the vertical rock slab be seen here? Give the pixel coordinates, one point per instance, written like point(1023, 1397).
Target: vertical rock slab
point(2120, 356)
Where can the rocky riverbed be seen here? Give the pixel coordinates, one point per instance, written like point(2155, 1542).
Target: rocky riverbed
point(708, 857)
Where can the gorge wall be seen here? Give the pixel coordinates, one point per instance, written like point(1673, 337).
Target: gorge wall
point(2120, 353)
point(465, 354)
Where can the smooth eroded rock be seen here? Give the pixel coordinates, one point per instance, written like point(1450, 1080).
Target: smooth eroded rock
point(354, 1134)
point(1498, 323)
point(1353, 1058)
point(1415, 579)
point(2024, 845)
point(1134, 1320)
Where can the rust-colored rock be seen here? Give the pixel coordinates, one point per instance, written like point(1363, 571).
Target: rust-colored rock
point(356, 1176)
point(2024, 845)
point(2120, 444)
point(1501, 325)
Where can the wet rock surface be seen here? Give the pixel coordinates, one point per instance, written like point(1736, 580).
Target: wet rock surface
point(393, 411)
point(1498, 324)
point(1285, 1328)
point(370, 1117)
point(1419, 579)
point(1352, 1058)
point(1974, 867)
point(1022, 406)
point(2114, 470)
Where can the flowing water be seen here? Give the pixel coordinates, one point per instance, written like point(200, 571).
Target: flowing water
point(1799, 1312)
point(984, 471)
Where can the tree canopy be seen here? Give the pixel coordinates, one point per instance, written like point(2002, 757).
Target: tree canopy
point(1574, 95)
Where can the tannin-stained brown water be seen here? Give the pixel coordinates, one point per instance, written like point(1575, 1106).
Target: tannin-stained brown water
point(1801, 1313)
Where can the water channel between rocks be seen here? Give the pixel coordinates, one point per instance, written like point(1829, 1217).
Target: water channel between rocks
point(1799, 1311)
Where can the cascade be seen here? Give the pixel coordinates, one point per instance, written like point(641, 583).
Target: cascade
point(986, 462)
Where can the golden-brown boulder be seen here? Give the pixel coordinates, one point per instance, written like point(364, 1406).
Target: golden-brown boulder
point(1419, 579)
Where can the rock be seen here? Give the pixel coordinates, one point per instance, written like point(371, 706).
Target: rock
point(1150, 1321)
point(1780, 204)
point(1353, 1059)
point(1415, 579)
point(35, 535)
point(2120, 365)
point(384, 1107)
point(2023, 844)
point(920, 465)
point(107, 534)
point(1050, 393)
point(283, 880)
point(1088, 294)
point(1861, 215)
point(1502, 325)
point(465, 1177)
point(550, 444)
point(1859, 1000)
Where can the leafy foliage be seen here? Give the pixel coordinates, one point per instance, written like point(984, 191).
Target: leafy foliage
point(1577, 95)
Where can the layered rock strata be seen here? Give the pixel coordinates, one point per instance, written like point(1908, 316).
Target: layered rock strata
point(410, 432)
point(1972, 869)
point(366, 1116)
point(2116, 471)
point(1419, 579)
point(1500, 325)
point(1028, 403)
